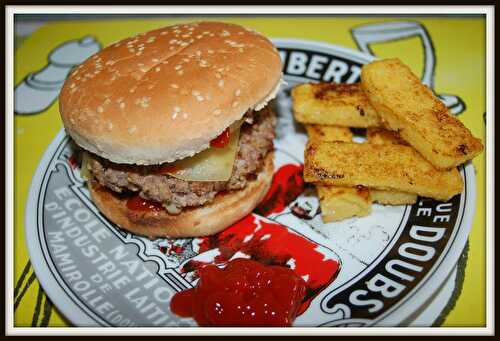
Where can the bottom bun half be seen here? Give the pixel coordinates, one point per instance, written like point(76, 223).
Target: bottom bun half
point(223, 211)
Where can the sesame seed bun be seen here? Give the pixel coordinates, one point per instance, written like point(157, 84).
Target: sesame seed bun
point(164, 94)
point(226, 209)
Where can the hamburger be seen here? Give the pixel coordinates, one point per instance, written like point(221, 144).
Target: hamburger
point(175, 127)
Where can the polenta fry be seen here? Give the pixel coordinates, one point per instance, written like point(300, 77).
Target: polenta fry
point(385, 197)
point(328, 133)
point(333, 104)
point(405, 105)
point(386, 166)
point(338, 203)
point(383, 136)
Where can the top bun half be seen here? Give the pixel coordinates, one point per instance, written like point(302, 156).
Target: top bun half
point(165, 94)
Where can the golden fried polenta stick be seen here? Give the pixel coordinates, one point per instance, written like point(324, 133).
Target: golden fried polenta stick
point(406, 105)
point(338, 203)
point(386, 166)
point(383, 136)
point(385, 197)
point(328, 133)
point(333, 104)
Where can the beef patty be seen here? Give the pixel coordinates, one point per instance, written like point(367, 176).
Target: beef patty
point(256, 140)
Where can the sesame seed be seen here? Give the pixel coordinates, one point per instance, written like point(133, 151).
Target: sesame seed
point(185, 60)
point(185, 115)
point(162, 33)
point(210, 51)
point(237, 93)
point(122, 105)
point(138, 53)
point(218, 76)
point(195, 93)
point(177, 109)
point(100, 109)
point(155, 60)
point(132, 129)
point(200, 98)
point(143, 102)
point(172, 41)
point(234, 105)
point(157, 69)
point(174, 115)
point(119, 100)
point(110, 125)
point(217, 112)
point(151, 86)
point(180, 72)
point(221, 83)
point(72, 85)
point(175, 86)
point(178, 67)
point(199, 36)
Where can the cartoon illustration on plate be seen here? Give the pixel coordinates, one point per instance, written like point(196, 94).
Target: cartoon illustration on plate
point(40, 88)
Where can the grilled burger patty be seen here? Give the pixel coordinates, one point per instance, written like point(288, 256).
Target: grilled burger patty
point(256, 140)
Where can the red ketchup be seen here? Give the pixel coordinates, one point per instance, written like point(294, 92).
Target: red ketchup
point(137, 203)
point(222, 140)
point(244, 293)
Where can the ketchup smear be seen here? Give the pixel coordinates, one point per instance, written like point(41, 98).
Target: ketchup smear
point(244, 293)
point(137, 203)
point(222, 140)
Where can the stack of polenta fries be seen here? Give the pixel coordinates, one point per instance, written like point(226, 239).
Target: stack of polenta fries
point(413, 144)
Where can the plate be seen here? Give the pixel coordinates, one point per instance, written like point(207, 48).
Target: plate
point(378, 270)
